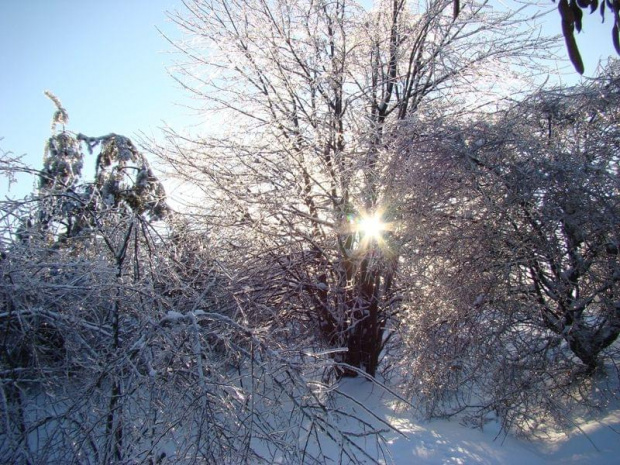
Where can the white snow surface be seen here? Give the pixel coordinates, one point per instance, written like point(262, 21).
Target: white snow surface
point(594, 442)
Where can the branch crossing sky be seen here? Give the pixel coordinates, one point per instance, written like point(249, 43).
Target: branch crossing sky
point(106, 61)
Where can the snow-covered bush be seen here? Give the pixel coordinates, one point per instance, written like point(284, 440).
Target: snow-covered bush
point(514, 233)
point(100, 369)
point(124, 341)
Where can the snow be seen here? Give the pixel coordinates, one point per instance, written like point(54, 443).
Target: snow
point(595, 442)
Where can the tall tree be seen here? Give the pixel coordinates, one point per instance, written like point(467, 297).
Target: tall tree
point(314, 90)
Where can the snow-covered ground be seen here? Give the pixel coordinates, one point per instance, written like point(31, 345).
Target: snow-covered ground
point(448, 442)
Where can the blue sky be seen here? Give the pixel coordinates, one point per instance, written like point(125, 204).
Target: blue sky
point(594, 41)
point(104, 59)
point(107, 62)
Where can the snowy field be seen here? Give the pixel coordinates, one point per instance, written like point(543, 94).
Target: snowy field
point(596, 441)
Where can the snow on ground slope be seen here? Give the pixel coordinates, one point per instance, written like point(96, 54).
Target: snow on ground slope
point(448, 442)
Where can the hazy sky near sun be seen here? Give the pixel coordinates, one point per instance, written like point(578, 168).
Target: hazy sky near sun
point(107, 62)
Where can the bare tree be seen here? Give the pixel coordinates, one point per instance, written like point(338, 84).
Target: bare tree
point(313, 92)
point(514, 231)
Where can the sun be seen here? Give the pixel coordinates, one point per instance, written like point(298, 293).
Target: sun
point(372, 231)
point(372, 226)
